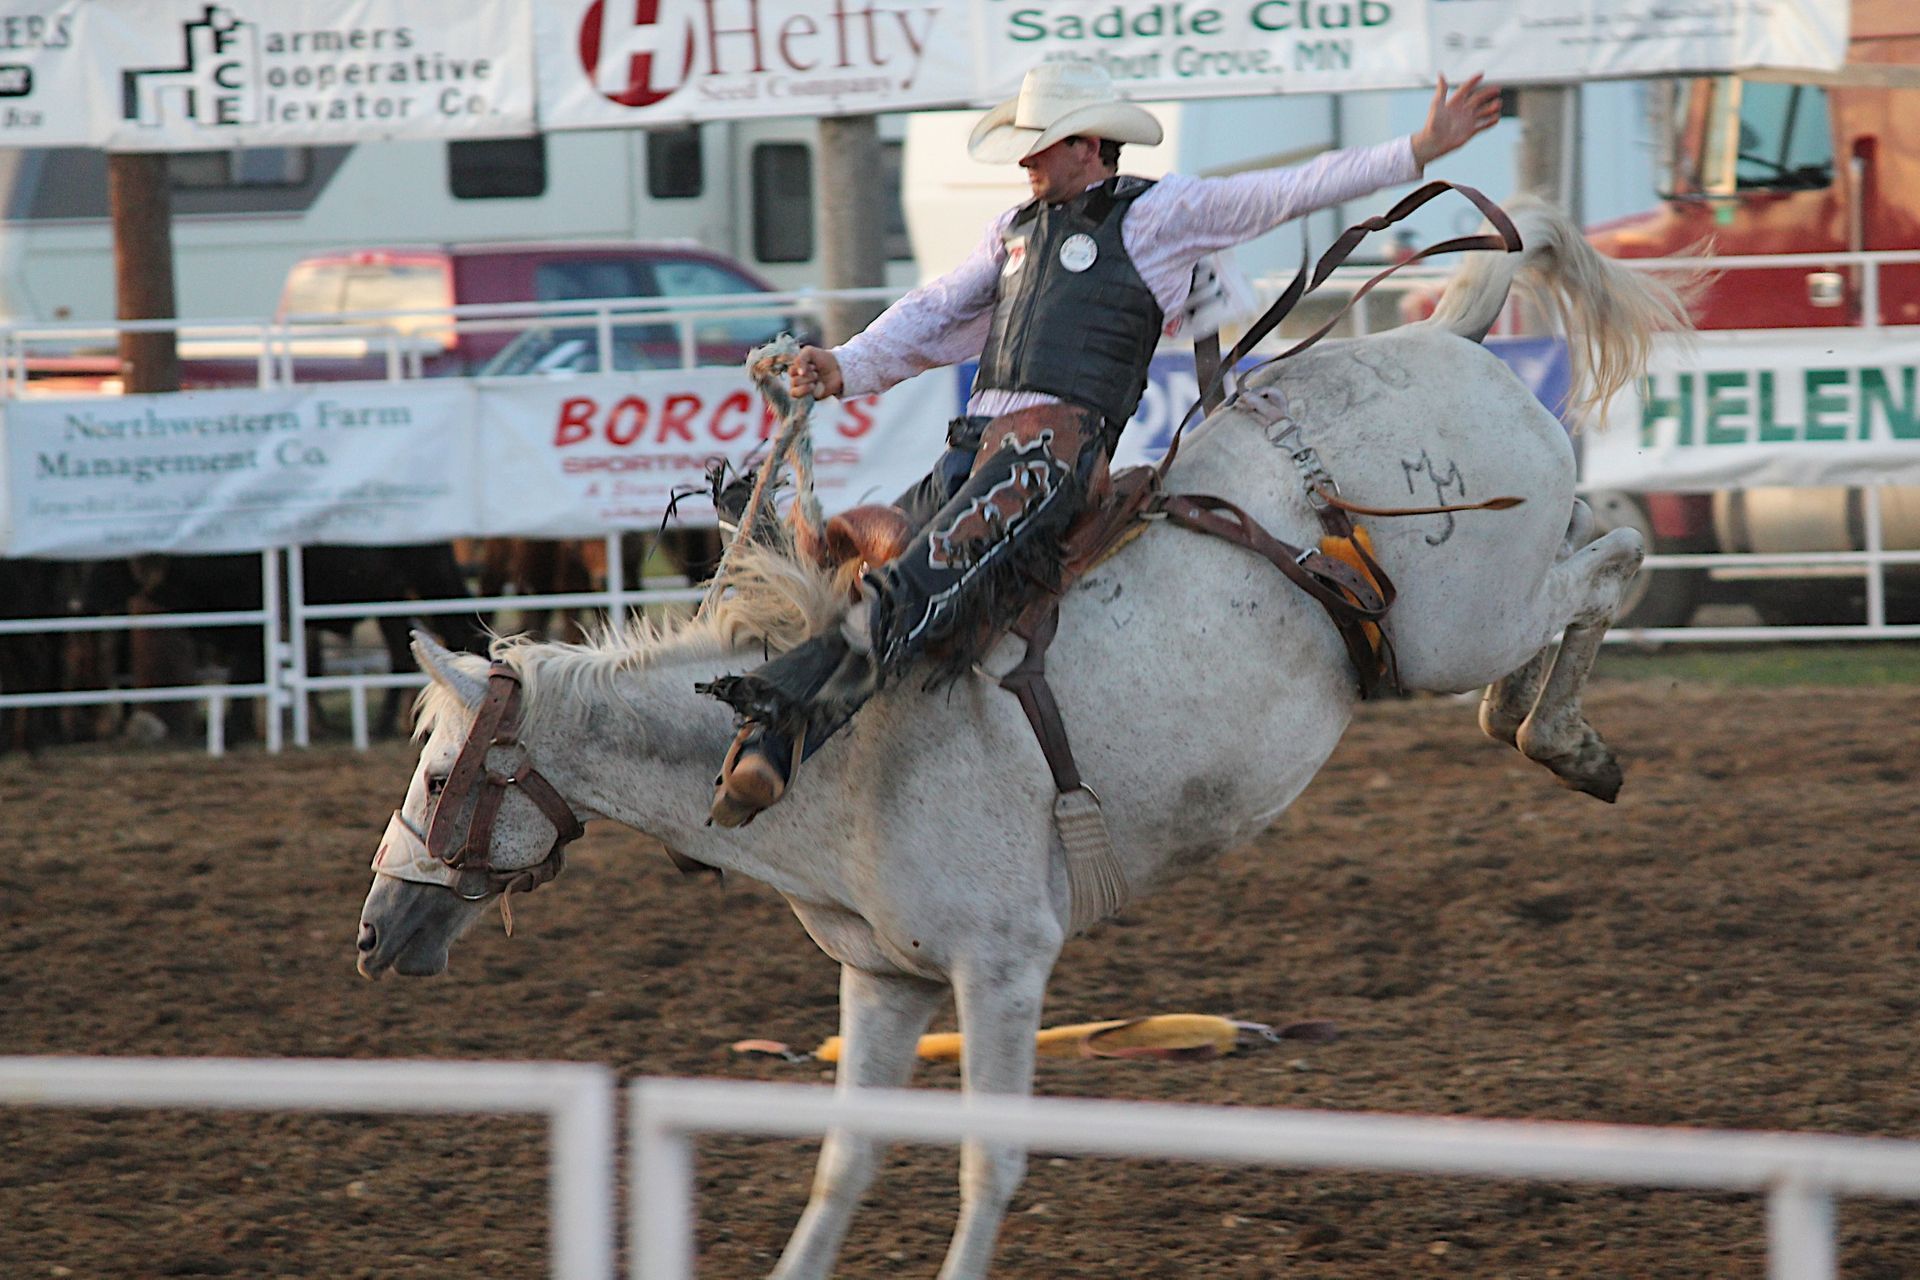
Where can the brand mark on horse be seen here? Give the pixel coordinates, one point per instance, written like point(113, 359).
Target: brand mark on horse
point(1443, 481)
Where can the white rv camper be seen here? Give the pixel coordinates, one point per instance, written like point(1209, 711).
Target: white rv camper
point(242, 218)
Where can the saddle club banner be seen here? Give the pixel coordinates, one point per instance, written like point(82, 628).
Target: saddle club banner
point(166, 75)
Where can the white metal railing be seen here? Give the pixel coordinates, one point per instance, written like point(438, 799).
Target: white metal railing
point(1799, 1174)
point(402, 341)
point(576, 1097)
point(289, 684)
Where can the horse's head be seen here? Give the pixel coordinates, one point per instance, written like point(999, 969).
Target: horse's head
point(480, 820)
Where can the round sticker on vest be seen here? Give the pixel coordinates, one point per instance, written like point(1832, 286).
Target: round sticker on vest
point(1078, 253)
point(1016, 257)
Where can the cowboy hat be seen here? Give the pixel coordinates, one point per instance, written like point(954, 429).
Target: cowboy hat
point(1067, 99)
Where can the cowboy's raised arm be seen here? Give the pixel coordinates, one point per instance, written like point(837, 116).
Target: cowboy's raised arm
point(1220, 212)
point(942, 322)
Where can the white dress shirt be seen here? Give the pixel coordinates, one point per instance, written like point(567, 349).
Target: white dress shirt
point(1166, 231)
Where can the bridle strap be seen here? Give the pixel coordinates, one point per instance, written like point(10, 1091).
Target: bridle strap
point(474, 792)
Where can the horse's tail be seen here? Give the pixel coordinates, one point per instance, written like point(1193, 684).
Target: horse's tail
point(1609, 313)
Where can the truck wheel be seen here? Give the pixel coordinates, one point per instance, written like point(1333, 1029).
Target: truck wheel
point(1655, 598)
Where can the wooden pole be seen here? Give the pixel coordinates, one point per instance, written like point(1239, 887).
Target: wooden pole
point(853, 224)
point(141, 206)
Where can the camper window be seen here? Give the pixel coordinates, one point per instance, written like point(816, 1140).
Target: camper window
point(674, 167)
point(782, 202)
point(497, 168)
point(239, 167)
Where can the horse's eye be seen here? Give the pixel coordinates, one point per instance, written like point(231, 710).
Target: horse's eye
point(435, 785)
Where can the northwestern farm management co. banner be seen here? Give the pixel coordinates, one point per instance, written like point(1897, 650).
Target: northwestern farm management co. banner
point(167, 75)
point(1742, 410)
point(400, 462)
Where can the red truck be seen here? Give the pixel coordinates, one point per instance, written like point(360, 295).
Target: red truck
point(1772, 167)
point(324, 291)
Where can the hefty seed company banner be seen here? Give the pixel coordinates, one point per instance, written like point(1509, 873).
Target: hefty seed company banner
point(649, 62)
point(1794, 408)
point(204, 471)
point(1535, 41)
point(383, 463)
point(577, 457)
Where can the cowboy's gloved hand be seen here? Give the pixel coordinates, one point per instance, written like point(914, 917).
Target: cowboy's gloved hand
point(815, 372)
point(1453, 121)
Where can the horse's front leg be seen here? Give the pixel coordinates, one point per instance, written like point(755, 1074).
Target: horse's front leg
point(881, 1019)
point(998, 1000)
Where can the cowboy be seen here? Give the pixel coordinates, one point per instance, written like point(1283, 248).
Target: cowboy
point(1063, 302)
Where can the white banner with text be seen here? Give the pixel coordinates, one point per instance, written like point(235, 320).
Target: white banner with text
point(1538, 41)
point(181, 75)
point(1789, 407)
point(185, 75)
point(585, 456)
point(404, 462)
point(207, 471)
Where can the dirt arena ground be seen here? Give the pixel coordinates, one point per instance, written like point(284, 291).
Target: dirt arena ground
point(1735, 944)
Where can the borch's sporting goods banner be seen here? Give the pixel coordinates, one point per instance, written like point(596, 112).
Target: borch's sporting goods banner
point(578, 457)
point(212, 471)
point(1536, 41)
point(180, 75)
point(1793, 408)
point(651, 62)
point(1208, 48)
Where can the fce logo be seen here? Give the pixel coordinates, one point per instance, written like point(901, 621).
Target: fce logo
point(625, 49)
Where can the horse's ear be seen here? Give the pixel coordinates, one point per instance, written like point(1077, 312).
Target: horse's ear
point(443, 665)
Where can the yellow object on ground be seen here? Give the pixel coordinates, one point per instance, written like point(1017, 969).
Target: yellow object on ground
point(1165, 1035)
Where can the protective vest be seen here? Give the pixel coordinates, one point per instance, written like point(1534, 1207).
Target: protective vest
point(1072, 317)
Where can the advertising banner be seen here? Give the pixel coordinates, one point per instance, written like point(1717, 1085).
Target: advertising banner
point(209, 471)
point(1793, 408)
point(1540, 41)
point(41, 73)
point(180, 75)
point(583, 456)
point(651, 62)
point(1164, 49)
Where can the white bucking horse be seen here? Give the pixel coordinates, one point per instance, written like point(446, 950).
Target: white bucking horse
point(1201, 690)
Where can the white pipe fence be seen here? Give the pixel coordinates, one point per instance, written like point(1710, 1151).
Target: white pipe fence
point(1799, 1174)
point(577, 1098)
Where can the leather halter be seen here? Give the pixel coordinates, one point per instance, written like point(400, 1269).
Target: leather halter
point(460, 830)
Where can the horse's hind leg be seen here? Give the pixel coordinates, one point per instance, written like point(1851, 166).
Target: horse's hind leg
point(881, 1018)
point(1509, 700)
point(1556, 733)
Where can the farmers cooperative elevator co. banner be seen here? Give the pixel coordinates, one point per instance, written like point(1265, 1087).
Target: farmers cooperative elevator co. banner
point(190, 74)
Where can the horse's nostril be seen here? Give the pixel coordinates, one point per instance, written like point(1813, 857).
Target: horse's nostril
point(368, 937)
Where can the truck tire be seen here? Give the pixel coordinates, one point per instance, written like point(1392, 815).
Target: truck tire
point(1655, 598)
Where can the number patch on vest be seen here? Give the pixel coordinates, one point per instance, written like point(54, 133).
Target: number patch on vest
point(1016, 258)
point(1078, 253)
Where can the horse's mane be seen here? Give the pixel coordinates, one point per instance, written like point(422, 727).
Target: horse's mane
point(775, 599)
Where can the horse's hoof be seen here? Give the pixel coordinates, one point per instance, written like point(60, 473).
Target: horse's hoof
point(1603, 782)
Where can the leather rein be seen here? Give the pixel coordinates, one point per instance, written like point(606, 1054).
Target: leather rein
point(492, 759)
